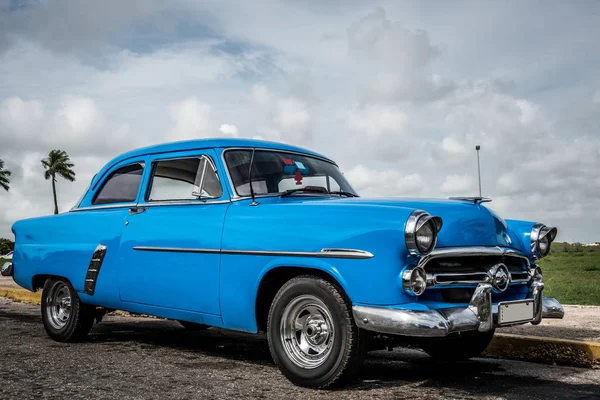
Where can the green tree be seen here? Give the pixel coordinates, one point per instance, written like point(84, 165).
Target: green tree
point(56, 164)
point(6, 246)
point(4, 177)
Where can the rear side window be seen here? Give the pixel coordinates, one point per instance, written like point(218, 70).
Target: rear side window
point(185, 179)
point(121, 186)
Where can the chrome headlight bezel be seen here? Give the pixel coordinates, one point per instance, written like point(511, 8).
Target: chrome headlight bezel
point(541, 233)
point(416, 221)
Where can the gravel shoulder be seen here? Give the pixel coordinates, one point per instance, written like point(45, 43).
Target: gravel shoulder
point(141, 358)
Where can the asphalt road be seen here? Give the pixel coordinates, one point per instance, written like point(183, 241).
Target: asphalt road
point(142, 358)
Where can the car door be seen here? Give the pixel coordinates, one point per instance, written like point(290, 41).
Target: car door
point(170, 246)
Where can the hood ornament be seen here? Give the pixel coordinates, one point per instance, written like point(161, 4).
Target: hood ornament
point(474, 200)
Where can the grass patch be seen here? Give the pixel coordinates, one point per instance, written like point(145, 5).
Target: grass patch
point(21, 295)
point(572, 277)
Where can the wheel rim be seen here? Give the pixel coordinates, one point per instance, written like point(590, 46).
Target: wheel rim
point(307, 331)
point(58, 305)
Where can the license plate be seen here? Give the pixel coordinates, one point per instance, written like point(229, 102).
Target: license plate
point(512, 312)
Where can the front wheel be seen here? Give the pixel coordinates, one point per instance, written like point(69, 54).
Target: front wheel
point(460, 347)
point(312, 335)
point(65, 317)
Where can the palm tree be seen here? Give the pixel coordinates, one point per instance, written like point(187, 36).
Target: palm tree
point(4, 176)
point(58, 163)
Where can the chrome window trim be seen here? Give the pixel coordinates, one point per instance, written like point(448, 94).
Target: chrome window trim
point(147, 202)
point(199, 202)
point(104, 207)
point(324, 253)
point(234, 195)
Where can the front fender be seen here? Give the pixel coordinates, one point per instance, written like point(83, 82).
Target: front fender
point(521, 230)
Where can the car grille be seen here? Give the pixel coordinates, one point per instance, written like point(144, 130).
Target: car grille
point(469, 270)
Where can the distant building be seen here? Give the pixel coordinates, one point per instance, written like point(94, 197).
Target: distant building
point(596, 244)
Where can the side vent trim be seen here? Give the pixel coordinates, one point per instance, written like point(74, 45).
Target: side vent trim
point(89, 286)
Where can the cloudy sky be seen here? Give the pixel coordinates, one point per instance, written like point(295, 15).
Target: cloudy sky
point(398, 93)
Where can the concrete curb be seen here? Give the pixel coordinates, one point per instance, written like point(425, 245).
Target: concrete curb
point(546, 350)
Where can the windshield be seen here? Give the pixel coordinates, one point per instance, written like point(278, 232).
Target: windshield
point(276, 172)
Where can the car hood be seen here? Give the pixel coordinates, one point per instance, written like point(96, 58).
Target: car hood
point(464, 223)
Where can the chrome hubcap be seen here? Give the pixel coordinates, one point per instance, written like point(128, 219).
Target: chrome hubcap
point(307, 332)
point(58, 305)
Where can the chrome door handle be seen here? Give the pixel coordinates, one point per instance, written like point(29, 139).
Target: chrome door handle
point(137, 210)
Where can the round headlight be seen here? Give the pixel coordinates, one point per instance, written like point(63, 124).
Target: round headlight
point(425, 237)
point(542, 237)
point(421, 232)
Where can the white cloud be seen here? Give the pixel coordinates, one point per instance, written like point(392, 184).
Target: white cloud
point(229, 130)
point(371, 182)
point(192, 119)
point(457, 184)
point(284, 118)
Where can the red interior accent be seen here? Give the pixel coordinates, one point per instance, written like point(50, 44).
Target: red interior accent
point(298, 177)
point(287, 161)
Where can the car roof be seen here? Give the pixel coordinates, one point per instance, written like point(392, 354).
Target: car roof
point(205, 144)
point(214, 143)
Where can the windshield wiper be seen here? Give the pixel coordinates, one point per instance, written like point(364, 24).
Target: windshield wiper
point(342, 193)
point(317, 190)
point(306, 190)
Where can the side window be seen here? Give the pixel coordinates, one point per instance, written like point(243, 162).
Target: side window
point(121, 186)
point(185, 179)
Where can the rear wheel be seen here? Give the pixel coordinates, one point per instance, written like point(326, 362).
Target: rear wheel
point(312, 335)
point(65, 317)
point(459, 348)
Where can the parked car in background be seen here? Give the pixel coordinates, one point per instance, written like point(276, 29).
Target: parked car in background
point(7, 256)
point(258, 236)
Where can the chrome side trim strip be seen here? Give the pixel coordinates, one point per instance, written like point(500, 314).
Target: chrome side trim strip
point(325, 253)
point(177, 249)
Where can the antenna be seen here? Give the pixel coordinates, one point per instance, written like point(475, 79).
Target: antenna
point(254, 203)
point(477, 148)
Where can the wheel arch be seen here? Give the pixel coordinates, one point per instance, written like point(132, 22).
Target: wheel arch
point(38, 281)
point(276, 276)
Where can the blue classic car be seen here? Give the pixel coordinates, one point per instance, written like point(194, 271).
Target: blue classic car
point(258, 236)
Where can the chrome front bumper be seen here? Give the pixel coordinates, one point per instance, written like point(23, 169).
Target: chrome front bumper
point(480, 315)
